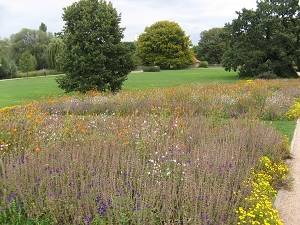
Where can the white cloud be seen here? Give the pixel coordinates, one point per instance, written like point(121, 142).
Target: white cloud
point(193, 16)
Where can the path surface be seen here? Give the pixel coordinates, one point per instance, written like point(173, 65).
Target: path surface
point(288, 202)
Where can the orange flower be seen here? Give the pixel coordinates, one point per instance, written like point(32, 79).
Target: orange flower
point(127, 142)
point(29, 132)
point(14, 130)
point(37, 149)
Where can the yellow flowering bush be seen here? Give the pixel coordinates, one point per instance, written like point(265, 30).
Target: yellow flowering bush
point(259, 204)
point(294, 112)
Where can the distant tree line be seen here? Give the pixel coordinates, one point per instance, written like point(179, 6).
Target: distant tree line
point(259, 43)
point(262, 43)
point(26, 43)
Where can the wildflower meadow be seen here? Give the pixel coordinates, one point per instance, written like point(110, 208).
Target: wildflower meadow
point(194, 154)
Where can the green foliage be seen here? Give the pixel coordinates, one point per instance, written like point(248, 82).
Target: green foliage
point(37, 73)
point(27, 62)
point(131, 48)
point(267, 75)
point(203, 64)
point(211, 47)
point(34, 41)
point(93, 56)
point(266, 39)
point(151, 69)
point(53, 53)
point(43, 27)
point(8, 69)
point(5, 48)
point(166, 45)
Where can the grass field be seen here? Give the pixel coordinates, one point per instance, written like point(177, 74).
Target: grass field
point(18, 91)
point(173, 78)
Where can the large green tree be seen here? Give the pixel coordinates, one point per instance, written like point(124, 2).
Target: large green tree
point(211, 46)
point(166, 45)
point(264, 40)
point(93, 55)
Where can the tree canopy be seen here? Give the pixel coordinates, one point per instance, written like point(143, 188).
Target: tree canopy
point(34, 41)
point(43, 27)
point(166, 45)
point(93, 56)
point(211, 47)
point(53, 53)
point(264, 40)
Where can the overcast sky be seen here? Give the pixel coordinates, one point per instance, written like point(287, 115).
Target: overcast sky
point(194, 16)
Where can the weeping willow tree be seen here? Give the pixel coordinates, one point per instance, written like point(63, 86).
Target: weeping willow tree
point(54, 50)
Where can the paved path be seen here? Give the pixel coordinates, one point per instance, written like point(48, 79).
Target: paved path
point(288, 202)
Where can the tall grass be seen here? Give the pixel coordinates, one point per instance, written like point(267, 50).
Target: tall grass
point(166, 156)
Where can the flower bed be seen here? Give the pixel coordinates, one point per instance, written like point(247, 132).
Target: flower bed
point(196, 154)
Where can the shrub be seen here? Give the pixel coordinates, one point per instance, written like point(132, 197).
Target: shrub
point(151, 69)
point(37, 73)
point(266, 75)
point(203, 64)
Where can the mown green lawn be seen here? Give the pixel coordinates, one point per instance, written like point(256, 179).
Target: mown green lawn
point(172, 78)
point(18, 91)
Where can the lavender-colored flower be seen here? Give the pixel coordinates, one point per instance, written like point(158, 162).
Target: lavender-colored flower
point(118, 191)
point(137, 206)
point(102, 208)
point(88, 219)
point(11, 197)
